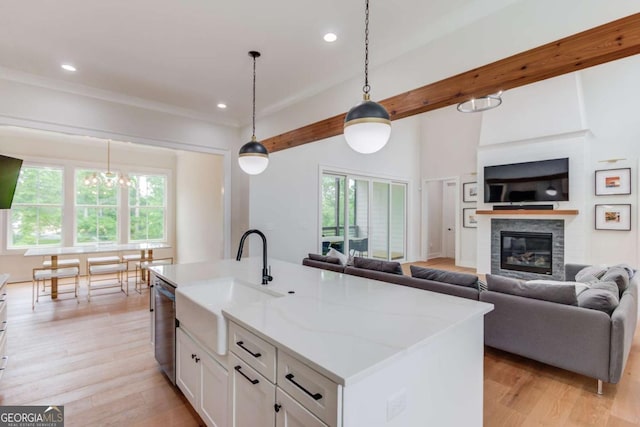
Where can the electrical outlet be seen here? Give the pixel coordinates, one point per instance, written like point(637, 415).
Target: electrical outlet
point(396, 404)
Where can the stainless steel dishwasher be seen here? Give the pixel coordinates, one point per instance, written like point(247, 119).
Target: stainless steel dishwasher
point(165, 326)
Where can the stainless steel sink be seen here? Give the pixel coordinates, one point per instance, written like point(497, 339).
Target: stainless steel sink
point(199, 308)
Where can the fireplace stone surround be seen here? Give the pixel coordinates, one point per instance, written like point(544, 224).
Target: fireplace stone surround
point(553, 226)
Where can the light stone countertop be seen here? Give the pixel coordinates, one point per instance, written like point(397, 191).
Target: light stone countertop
point(344, 326)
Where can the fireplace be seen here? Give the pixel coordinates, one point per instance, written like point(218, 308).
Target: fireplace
point(526, 251)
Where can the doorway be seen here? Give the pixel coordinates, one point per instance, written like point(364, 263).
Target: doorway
point(440, 220)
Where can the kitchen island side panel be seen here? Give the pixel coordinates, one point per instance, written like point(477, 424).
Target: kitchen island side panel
point(439, 384)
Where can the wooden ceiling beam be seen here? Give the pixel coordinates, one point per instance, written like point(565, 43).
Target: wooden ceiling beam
point(608, 42)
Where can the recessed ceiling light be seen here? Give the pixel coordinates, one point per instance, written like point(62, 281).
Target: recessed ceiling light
point(68, 67)
point(330, 37)
point(222, 106)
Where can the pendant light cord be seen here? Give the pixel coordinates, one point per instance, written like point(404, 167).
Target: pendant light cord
point(254, 99)
point(366, 87)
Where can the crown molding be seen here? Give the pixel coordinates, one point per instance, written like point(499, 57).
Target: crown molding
point(109, 96)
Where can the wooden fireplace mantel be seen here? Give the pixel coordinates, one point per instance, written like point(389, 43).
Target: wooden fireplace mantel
point(529, 212)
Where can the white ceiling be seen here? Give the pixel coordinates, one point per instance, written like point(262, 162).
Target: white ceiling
point(185, 56)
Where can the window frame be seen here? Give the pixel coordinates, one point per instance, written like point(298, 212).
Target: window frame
point(9, 247)
point(164, 208)
point(349, 174)
point(69, 167)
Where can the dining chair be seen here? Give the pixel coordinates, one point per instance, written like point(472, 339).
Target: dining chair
point(64, 262)
point(44, 274)
point(106, 266)
point(144, 265)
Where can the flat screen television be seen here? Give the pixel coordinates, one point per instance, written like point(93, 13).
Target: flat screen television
point(541, 181)
point(9, 172)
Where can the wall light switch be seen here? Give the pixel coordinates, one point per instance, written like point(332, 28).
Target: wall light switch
point(396, 404)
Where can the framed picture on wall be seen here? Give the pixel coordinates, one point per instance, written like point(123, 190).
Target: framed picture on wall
point(613, 181)
point(613, 217)
point(470, 192)
point(469, 218)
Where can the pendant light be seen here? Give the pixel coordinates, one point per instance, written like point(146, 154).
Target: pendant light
point(109, 179)
point(367, 126)
point(253, 157)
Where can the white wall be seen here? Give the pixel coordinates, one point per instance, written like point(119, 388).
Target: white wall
point(199, 207)
point(284, 199)
point(597, 123)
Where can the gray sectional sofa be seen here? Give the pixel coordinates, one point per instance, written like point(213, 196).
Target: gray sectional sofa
point(554, 326)
point(584, 325)
point(445, 282)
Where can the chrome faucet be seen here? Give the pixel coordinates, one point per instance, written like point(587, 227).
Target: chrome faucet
point(266, 277)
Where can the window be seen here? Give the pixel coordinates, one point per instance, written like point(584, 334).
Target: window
point(36, 214)
point(147, 207)
point(376, 216)
point(96, 210)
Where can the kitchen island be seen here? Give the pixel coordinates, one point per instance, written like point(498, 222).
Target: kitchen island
point(379, 354)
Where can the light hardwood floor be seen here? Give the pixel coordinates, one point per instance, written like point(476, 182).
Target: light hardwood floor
point(96, 360)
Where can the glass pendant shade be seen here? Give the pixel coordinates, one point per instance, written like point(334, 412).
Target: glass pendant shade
point(253, 157)
point(367, 127)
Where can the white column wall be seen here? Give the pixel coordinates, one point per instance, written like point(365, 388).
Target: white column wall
point(199, 207)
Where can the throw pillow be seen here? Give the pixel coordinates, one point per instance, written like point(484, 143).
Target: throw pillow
point(378, 265)
point(323, 258)
point(591, 273)
point(601, 296)
point(451, 277)
point(559, 293)
point(619, 276)
point(337, 254)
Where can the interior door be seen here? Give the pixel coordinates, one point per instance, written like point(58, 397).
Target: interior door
point(449, 191)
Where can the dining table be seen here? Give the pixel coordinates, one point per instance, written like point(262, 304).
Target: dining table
point(146, 253)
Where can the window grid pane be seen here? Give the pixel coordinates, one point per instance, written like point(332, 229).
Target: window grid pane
point(96, 210)
point(147, 208)
point(36, 215)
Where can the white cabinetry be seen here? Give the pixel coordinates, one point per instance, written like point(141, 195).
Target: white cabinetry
point(3, 322)
point(290, 413)
point(202, 380)
point(252, 396)
point(259, 397)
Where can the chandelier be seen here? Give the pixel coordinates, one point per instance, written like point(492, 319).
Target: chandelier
point(109, 179)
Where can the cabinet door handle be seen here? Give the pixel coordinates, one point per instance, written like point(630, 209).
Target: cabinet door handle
point(277, 407)
point(238, 368)
point(241, 345)
point(314, 396)
point(197, 359)
point(193, 355)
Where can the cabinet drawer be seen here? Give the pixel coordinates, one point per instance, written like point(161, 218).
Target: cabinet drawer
point(255, 351)
point(292, 414)
point(3, 309)
point(313, 390)
point(3, 340)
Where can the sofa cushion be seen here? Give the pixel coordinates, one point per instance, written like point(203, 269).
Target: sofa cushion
point(337, 254)
point(619, 276)
point(601, 296)
point(451, 277)
point(324, 258)
point(559, 293)
point(591, 273)
point(378, 265)
point(580, 287)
